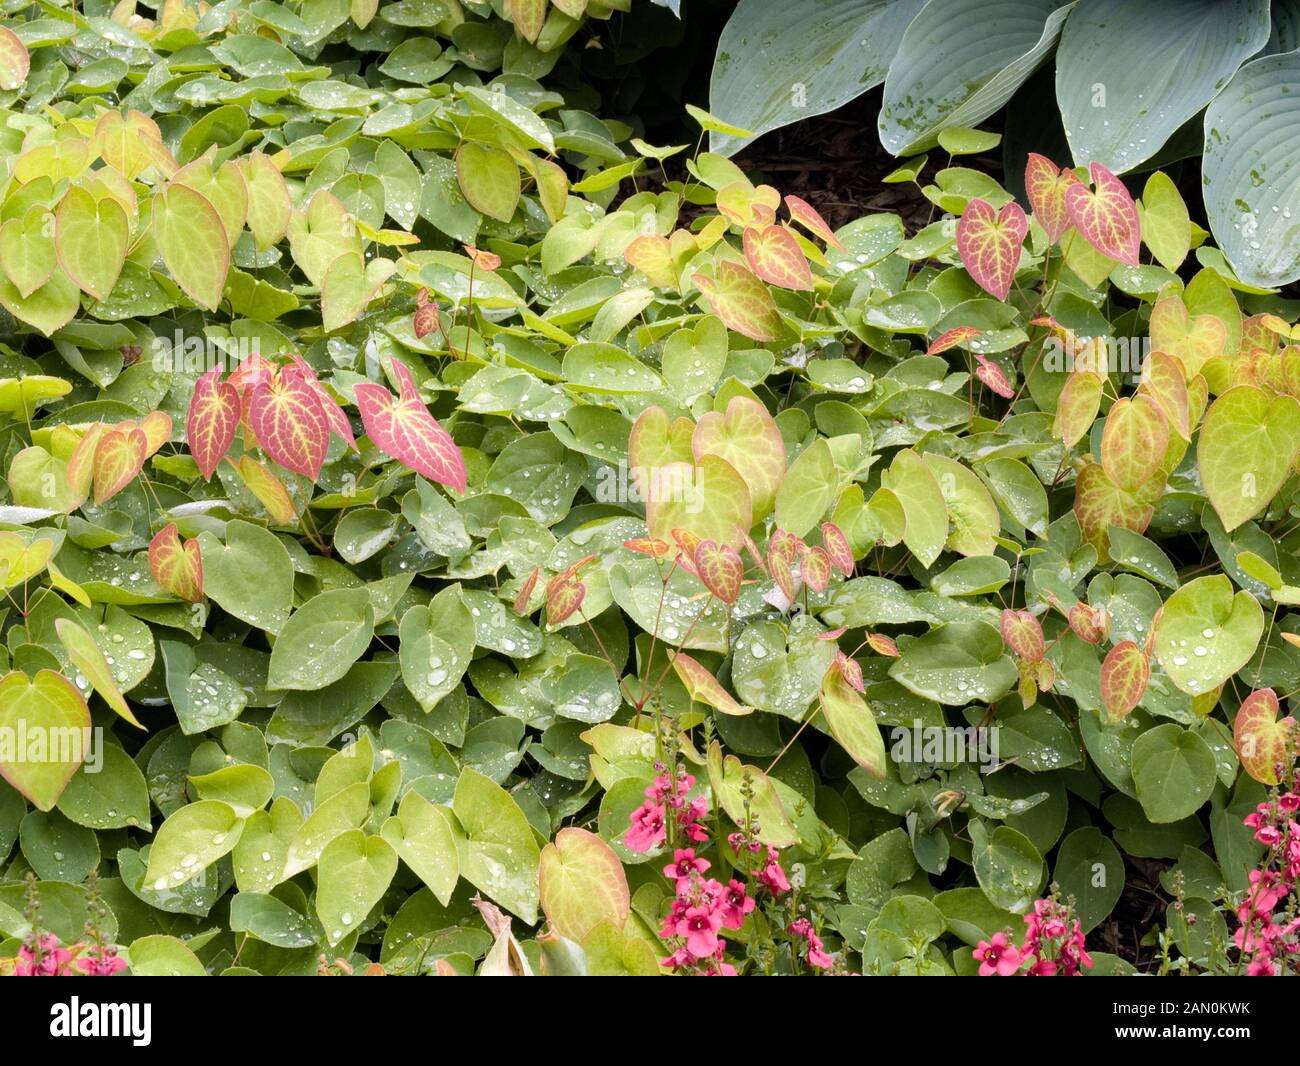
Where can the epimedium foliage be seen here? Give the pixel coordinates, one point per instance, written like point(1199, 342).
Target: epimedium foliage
point(516, 577)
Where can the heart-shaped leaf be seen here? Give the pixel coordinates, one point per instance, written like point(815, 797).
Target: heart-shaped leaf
point(405, 430)
point(1124, 675)
point(45, 730)
point(1247, 445)
point(289, 422)
point(1045, 184)
point(989, 241)
point(1263, 742)
point(1205, 634)
point(1106, 215)
point(176, 566)
point(119, 457)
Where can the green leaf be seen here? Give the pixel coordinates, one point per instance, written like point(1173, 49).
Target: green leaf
point(191, 840)
point(114, 796)
point(164, 956)
point(1174, 771)
point(437, 643)
point(422, 836)
point(1247, 445)
point(956, 664)
point(192, 239)
point(489, 179)
point(1007, 866)
point(48, 711)
point(808, 489)
point(1206, 634)
point(322, 639)
point(1090, 868)
point(250, 575)
point(355, 871)
point(498, 854)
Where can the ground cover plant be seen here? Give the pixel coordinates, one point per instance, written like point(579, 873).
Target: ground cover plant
point(443, 533)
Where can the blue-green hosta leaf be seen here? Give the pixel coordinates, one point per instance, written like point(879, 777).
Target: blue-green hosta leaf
point(959, 61)
point(815, 55)
point(1128, 75)
point(1251, 170)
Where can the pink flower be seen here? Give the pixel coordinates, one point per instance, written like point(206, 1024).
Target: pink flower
point(105, 964)
point(700, 925)
point(996, 956)
point(647, 830)
point(817, 955)
point(683, 867)
point(53, 962)
point(772, 876)
point(735, 904)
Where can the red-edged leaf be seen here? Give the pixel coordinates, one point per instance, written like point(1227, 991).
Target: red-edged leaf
point(1107, 218)
point(1045, 184)
point(850, 670)
point(815, 569)
point(119, 456)
point(1262, 740)
point(525, 593)
point(81, 464)
point(1077, 406)
point(652, 546)
point(785, 544)
point(958, 335)
point(425, 320)
point(248, 373)
point(1023, 634)
point(703, 687)
point(338, 419)
point(754, 553)
point(883, 645)
point(993, 376)
point(1124, 675)
point(833, 634)
point(564, 595)
point(528, 16)
point(720, 568)
point(176, 566)
point(1090, 624)
point(157, 428)
point(405, 430)
point(1134, 441)
point(806, 215)
point(289, 422)
point(485, 261)
point(741, 301)
point(837, 547)
point(1164, 381)
point(687, 542)
point(989, 244)
point(653, 256)
point(211, 421)
point(775, 256)
point(781, 574)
